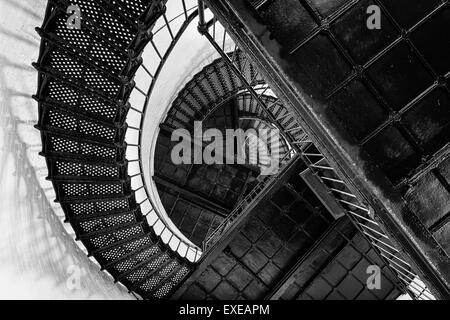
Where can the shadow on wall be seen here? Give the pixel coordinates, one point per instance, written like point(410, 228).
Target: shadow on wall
point(39, 257)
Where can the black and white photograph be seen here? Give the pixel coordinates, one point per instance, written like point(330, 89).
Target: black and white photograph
point(225, 158)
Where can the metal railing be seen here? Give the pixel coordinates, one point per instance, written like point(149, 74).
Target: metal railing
point(135, 121)
point(363, 219)
point(359, 214)
point(209, 30)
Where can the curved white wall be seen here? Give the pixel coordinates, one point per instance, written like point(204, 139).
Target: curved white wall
point(190, 55)
point(38, 256)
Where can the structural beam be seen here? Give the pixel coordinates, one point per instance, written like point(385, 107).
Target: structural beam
point(322, 193)
point(193, 197)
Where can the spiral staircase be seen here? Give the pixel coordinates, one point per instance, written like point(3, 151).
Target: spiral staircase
point(86, 78)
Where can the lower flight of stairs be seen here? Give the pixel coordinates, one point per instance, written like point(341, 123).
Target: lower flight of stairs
point(85, 80)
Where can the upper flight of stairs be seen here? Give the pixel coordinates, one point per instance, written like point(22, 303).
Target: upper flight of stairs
point(217, 83)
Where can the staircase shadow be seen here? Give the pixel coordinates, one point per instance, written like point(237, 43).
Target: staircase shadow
point(38, 252)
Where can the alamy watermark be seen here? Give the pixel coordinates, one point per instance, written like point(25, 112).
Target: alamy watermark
point(374, 20)
point(74, 274)
point(74, 20)
point(373, 282)
point(230, 146)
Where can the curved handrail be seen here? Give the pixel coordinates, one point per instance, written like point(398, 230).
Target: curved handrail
point(150, 210)
point(149, 207)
